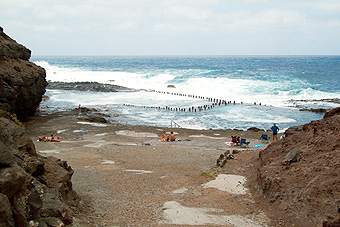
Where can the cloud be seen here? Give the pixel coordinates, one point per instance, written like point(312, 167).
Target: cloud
point(189, 24)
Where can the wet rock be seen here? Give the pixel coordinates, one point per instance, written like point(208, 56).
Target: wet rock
point(96, 118)
point(318, 110)
point(86, 86)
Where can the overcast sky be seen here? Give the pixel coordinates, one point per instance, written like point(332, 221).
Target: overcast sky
point(174, 27)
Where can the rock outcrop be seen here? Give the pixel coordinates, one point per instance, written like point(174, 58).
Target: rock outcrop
point(307, 192)
point(22, 83)
point(34, 190)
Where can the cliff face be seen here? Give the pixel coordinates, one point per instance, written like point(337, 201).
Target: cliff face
point(307, 192)
point(22, 83)
point(34, 190)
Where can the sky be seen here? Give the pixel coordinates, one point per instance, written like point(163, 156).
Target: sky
point(174, 27)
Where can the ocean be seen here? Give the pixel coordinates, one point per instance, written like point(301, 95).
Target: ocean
point(208, 92)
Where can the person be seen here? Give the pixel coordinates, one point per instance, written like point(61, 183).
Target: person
point(43, 139)
point(238, 140)
point(79, 109)
point(172, 136)
point(275, 130)
point(164, 137)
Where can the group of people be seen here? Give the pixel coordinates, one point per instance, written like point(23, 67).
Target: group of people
point(52, 139)
point(171, 137)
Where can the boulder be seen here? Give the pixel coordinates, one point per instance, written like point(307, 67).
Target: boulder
point(254, 129)
point(292, 156)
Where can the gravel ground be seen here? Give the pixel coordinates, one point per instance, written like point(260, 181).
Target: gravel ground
point(126, 176)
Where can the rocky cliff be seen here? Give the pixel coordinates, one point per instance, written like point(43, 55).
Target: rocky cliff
point(34, 190)
point(305, 191)
point(22, 83)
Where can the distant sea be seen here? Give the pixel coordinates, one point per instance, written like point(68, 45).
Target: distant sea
point(259, 90)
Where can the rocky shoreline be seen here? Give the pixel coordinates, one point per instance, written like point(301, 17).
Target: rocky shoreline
point(108, 174)
point(86, 86)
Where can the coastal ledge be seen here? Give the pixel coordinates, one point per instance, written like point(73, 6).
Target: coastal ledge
point(86, 86)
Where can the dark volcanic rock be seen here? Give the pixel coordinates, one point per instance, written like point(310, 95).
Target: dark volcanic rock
point(22, 83)
point(10, 48)
point(332, 112)
point(6, 215)
point(33, 189)
point(254, 129)
point(86, 86)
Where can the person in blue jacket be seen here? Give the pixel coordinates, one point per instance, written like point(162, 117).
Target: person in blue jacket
point(275, 130)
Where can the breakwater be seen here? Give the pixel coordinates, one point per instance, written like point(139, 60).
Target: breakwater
point(211, 103)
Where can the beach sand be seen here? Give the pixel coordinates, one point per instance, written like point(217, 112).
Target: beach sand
point(126, 176)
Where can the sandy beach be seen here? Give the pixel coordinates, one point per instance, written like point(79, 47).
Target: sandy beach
point(126, 176)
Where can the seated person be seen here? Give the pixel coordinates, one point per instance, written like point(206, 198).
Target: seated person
point(172, 136)
point(164, 137)
point(236, 139)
